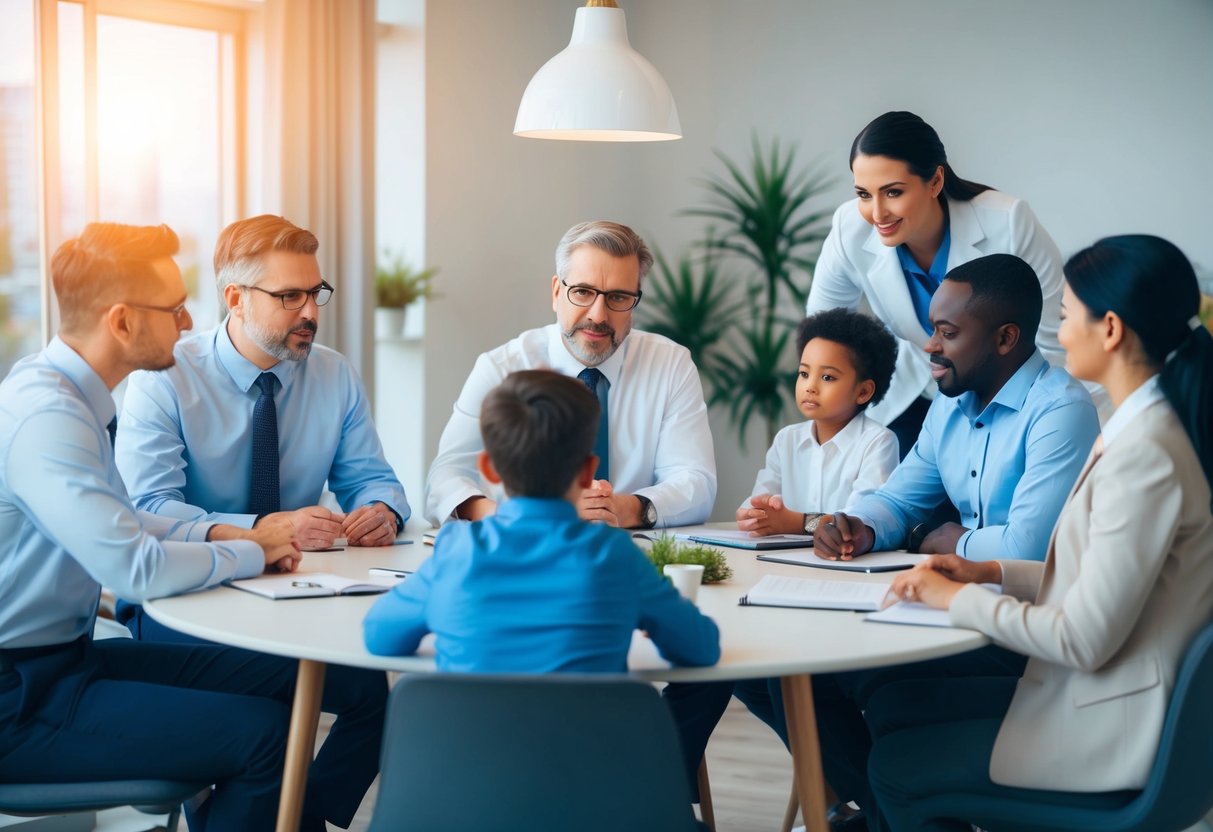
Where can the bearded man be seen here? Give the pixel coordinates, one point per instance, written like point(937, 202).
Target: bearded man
point(656, 460)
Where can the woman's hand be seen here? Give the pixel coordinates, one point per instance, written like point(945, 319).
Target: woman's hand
point(964, 570)
point(925, 585)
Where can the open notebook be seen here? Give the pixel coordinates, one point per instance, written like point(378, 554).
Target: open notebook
point(313, 585)
point(732, 538)
point(778, 591)
point(871, 562)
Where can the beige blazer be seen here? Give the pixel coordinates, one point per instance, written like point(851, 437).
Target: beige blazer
point(1106, 619)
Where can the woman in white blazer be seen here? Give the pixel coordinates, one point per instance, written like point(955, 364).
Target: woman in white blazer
point(912, 220)
point(1127, 582)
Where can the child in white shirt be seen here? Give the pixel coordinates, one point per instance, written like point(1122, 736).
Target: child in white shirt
point(820, 466)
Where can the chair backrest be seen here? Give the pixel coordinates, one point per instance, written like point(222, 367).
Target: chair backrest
point(530, 752)
point(1180, 789)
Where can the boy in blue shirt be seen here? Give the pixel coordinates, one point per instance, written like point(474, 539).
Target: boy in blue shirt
point(535, 589)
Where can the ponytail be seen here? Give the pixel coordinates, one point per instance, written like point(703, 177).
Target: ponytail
point(1187, 380)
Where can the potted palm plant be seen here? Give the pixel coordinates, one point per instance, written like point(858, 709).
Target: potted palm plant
point(397, 286)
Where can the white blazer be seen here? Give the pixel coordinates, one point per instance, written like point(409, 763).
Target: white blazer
point(854, 263)
point(1127, 583)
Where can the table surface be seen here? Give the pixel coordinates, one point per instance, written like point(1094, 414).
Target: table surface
point(755, 641)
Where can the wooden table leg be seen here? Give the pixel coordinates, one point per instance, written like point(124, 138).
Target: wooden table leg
point(300, 743)
point(806, 753)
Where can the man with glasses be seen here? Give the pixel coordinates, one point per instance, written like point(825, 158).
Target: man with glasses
point(255, 418)
point(656, 461)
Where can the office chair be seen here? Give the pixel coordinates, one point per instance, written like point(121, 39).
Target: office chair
point(1177, 795)
point(503, 753)
point(153, 797)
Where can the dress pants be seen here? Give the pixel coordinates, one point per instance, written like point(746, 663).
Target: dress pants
point(117, 709)
point(348, 762)
point(840, 700)
point(932, 736)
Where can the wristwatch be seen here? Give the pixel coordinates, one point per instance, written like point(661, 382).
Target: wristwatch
point(812, 521)
point(648, 512)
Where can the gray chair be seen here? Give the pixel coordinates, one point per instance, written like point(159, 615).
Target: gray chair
point(503, 753)
point(153, 797)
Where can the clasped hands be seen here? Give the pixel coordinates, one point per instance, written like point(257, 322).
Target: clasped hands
point(600, 502)
point(767, 514)
point(315, 527)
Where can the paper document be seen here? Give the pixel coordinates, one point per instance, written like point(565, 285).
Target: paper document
point(312, 585)
point(777, 591)
point(912, 612)
point(871, 562)
point(732, 538)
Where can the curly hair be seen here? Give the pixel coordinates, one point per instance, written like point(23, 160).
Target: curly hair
point(872, 347)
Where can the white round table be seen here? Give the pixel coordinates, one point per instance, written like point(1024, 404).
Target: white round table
point(755, 642)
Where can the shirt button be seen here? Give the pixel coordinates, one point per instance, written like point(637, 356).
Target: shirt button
point(972, 473)
point(980, 426)
point(974, 515)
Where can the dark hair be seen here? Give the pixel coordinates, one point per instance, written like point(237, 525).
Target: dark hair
point(1150, 284)
point(872, 347)
point(539, 428)
point(1005, 290)
point(907, 138)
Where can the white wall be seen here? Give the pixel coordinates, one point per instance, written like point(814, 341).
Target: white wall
point(1098, 112)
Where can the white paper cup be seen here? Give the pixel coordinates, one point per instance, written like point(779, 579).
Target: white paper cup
point(686, 577)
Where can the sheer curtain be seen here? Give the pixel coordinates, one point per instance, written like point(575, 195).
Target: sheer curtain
point(317, 150)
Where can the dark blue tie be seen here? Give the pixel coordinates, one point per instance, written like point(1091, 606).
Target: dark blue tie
point(263, 483)
point(112, 429)
point(598, 385)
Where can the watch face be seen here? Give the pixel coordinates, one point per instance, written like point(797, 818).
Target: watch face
point(650, 513)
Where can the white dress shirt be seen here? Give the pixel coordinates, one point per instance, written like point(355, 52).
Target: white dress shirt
point(660, 442)
point(822, 478)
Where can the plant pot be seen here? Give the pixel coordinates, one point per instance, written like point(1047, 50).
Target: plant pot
point(389, 323)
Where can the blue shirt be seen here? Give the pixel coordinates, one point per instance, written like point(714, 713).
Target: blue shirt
point(66, 524)
point(922, 285)
point(535, 589)
point(185, 439)
point(1007, 468)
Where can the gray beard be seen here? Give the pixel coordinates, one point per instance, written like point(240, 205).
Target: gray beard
point(275, 345)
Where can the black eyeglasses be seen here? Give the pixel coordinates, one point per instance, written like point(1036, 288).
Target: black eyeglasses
point(616, 300)
point(180, 316)
point(293, 299)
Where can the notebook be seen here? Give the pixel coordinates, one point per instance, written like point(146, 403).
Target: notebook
point(778, 591)
point(312, 585)
point(871, 562)
point(912, 612)
point(732, 538)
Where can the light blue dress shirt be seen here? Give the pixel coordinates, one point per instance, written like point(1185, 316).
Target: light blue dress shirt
point(1008, 468)
point(185, 439)
point(922, 284)
point(535, 589)
point(67, 526)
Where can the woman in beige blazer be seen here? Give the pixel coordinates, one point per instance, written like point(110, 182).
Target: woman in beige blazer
point(1127, 582)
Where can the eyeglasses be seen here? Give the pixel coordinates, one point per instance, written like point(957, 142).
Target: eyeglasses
point(179, 313)
point(616, 300)
point(293, 299)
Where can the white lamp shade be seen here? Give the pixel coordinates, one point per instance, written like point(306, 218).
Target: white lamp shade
point(598, 89)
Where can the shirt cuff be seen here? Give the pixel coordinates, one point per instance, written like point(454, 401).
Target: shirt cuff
point(962, 544)
point(250, 559)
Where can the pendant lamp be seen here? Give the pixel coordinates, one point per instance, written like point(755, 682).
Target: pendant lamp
point(598, 88)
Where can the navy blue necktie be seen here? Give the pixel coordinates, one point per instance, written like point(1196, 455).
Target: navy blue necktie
point(597, 383)
point(112, 429)
point(263, 482)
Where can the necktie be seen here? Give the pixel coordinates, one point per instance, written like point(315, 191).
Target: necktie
point(112, 429)
point(263, 482)
point(597, 384)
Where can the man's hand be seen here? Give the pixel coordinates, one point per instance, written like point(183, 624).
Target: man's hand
point(370, 525)
point(843, 537)
point(768, 515)
point(476, 508)
point(966, 571)
point(925, 584)
point(599, 502)
point(274, 534)
point(942, 540)
point(315, 526)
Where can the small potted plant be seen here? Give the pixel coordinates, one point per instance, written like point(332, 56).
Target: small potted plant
point(397, 286)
